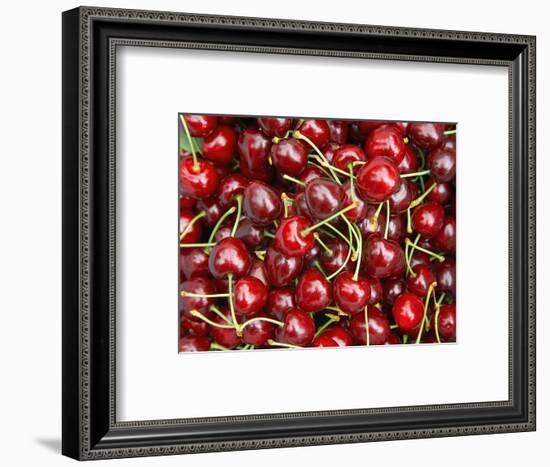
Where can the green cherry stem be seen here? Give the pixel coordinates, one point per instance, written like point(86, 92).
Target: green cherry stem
point(417, 201)
point(286, 199)
point(323, 244)
point(268, 234)
point(387, 229)
point(449, 132)
point(409, 250)
point(342, 236)
point(196, 245)
point(231, 305)
point(426, 303)
point(216, 310)
point(409, 223)
point(321, 270)
point(332, 319)
point(376, 215)
point(320, 167)
point(221, 220)
point(341, 268)
point(198, 314)
point(298, 135)
point(359, 239)
point(216, 346)
point(428, 252)
point(184, 293)
point(293, 180)
point(200, 215)
point(367, 337)
point(273, 343)
point(239, 199)
point(351, 183)
point(415, 174)
point(436, 317)
point(269, 320)
point(331, 167)
point(186, 129)
point(260, 254)
point(329, 218)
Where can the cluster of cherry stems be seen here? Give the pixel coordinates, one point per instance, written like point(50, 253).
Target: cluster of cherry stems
point(315, 233)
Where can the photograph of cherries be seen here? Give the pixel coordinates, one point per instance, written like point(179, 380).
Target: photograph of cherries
point(308, 232)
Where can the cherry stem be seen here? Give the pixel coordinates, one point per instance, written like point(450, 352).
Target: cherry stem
point(216, 346)
point(216, 310)
point(394, 326)
point(273, 343)
point(323, 244)
point(196, 245)
point(387, 220)
point(299, 135)
point(374, 218)
point(449, 132)
point(436, 317)
point(184, 293)
point(325, 163)
point(428, 252)
point(409, 223)
point(294, 180)
point(426, 303)
point(405, 338)
point(195, 160)
point(367, 337)
point(222, 218)
point(332, 319)
point(239, 199)
point(351, 183)
point(320, 167)
point(198, 314)
point(342, 236)
point(415, 174)
point(231, 305)
point(417, 201)
point(359, 239)
point(190, 224)
point(329, 218)
point(408, 255)
point(268, 234)
point(285, 198)
point(344, 264)
point(321, 270)
point(269, 320)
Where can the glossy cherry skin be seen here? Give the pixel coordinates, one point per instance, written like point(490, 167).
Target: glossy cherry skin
point(257, 270)
point(339, 334)
point(378, 179)
point(349, 294)
point(280, 302)
point(316, 130)
point(370, 224)
point(376, 291)
point(289, 156)
point(299, 327)
point(229, 187)
point(201, 286)
point(197, 183)
point(251, 234)
point(323, 197)
point(329, 151)
point(427, 136)
point(338, 131)
point(310, 173)
point(212, 209)
point(446, 323)
point(281, 270)
point(419, 257)
point(442, 193)
point(220, 146)
point(427, 219)
point(393, 339)
point(331, 263)
point(193, 233)
point(261, 203)
point(383, 258)
point(445, 239)
point(193, 263)
point(409, 163)
point(446, 276)
point(196, 327)
point(194, 344)
point(258, 332)
point(312, 255)
point(230, 256)
point(391, 289)
point(442, 164)
point(313, 292)
point(449, 142)
point(186, 202)
point(226, 337)
point(272, 126)
point(249, 296)
point(289, 239)
point(201, 125)
point(300, 207)
point(401, 199)
point(421, 281)
point(360, 212)
point(385, 140)
point(346, 155)
point(403, 127)
point(223, 232)
point(408, 312)
point(364, 127)
point(253, 147)
point(323, 341)
point(379, 327)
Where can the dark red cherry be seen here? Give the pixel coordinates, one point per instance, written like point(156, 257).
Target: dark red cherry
point(446, 276)
point(227, 120)
point(194, 344)
point(324, 197)
point(339, 334)
point(280, 301)
point(441, 194)
point(446, 324)
point(421, 280)
point(223, 232)
point(258, 332)
point(226, 337)
point(257, 270)
point(449, 142)
point(262, 204)
point(445, 239)
point(427, 219)
point(289, 156)
point(194, 263)
point(314, 291)
point(250, 296)
point(332, 262)
point(316, 130)
point(378, 179)
point(201, 125)
point(222, 170)
point(385, 140)
point(192, 233)
point(383, 258)
point(349, 294)
point(252, 235)
point(194, 327)
point(229, 187)
point(310, 173)
point(212, 209)
point(379, 327)
point(409, 163)
point(401, 199)
point(300, 207)
point(312, 255)
point(199, 286)
point(346, 155)
point(376, 292)
point(230, 256)
point(403, 127)
point(220, 146)
point(290, 240)
point(329, 151)
point(442, 164)
point(272, 126)
point(338, 131)
point(408, 312)
point(427, 136)
point(419, 257)
point(359, 213)
point(396, 227)
point(393, 339)
point(186, 202)
point(370, 224)
point(391, 289)
point(200, 182)
point(253, 147)
point(281, 270)
point(364, 127)
point(323, 341)
point(299, 327)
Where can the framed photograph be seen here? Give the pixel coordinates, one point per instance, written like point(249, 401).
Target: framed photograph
point(283, 233)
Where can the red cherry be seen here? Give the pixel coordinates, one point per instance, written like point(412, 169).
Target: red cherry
point(289, 156)
point(195, 327)
point(393, 339)
point(281, 270)
point(252, 235)
point(199, 286)
point(403, 127)
point(385, 140)
point(340, 335)
point(229, 188)
point(323, 341)
point(253, 147)
point(446, 276)
point(375, 290)
point(351, 295)
point(198, 182)
point(408, 312)
point(314, 291)
point(299, 327)
point(359, 213)
point(289, 239)
point(329, 151)
point(192, 233)
point(446, 324)
point(220, 146)
point(338, 131)
point(213, 210)
point(419, 257)
point(275, 126)
point(300, 207)
point(383, 258)
point(379, 327)
point(186, 202)
point(332, 262)
point(378, 179)
point(445, 239)
point(250, 296)
point(421, 280)
point(391, 289)
point(258, 332)
point(441, 194)
point(427, 136)
point(324, 197)
point(280, 302)
point(309, 173)
point(364, 127)
point(229, 256)
point(200, 125)
point(409, 163)
point(257, 270)
point(227, 120)
point(194, 263)
point(316, 130)
point(194, 344)
point(226, 337)
point(427, 219)
point(261, 203)
point(442, 164)
point(347, 154)
point(401, 199)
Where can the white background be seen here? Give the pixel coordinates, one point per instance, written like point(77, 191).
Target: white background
point(151, 377)
point(30, 194)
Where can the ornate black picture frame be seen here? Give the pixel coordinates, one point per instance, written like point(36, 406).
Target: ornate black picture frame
point(90, 39)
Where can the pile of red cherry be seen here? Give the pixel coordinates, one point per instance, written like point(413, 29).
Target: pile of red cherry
point(315, 233)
